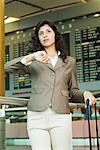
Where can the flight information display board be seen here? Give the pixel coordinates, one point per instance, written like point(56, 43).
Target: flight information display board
point(7, 58)
point(87, 45)
point(22, 49)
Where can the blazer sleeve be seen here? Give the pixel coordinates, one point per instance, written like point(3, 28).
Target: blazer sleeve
point(15, 66)
point(75, 93)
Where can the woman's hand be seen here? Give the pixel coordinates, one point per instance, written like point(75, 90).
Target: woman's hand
point(89, 95)
point(41, 56)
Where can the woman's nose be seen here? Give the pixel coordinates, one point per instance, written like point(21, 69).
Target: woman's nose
point(45, 35)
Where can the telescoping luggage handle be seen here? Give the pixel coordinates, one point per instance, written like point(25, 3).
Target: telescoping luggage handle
point(97, 134)
point(89, 117)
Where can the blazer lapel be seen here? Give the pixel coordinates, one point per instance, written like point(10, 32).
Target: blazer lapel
point(50, 66)
point(59, 64)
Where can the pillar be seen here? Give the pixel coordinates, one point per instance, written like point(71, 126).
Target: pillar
point(2, 49)
point(2, 74)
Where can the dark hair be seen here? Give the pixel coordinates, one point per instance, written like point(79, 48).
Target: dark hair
point(58, 39)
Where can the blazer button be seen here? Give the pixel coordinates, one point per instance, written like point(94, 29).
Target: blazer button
point(51, 87)
point(53, 73)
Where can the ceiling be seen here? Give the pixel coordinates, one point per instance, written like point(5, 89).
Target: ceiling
point(26, 8)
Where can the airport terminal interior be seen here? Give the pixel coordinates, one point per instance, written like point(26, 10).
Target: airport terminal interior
point(79, 23)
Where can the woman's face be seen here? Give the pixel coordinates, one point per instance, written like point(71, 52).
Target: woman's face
point(46, 36)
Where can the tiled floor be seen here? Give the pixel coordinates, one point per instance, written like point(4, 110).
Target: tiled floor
point(28, 148)
point(84, 148)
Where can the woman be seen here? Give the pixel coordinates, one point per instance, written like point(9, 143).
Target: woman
point(54, 82)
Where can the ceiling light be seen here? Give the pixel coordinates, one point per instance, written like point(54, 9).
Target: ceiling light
point(96, 15)
point(10, 19)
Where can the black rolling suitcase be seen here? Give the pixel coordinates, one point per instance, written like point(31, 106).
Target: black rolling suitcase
point(88, 117)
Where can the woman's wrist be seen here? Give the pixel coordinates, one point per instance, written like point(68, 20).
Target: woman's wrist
point(86, 95)
point(33, 57)
point(85, 92)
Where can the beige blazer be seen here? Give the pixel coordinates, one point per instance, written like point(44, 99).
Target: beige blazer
point(50, 85)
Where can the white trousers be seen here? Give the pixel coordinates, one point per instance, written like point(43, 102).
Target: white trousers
point(49, 130)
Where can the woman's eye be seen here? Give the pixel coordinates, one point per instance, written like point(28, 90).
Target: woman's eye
point(41, 33)
point(49, 31)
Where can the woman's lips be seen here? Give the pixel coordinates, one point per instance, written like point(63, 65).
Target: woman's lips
point(46, 40)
